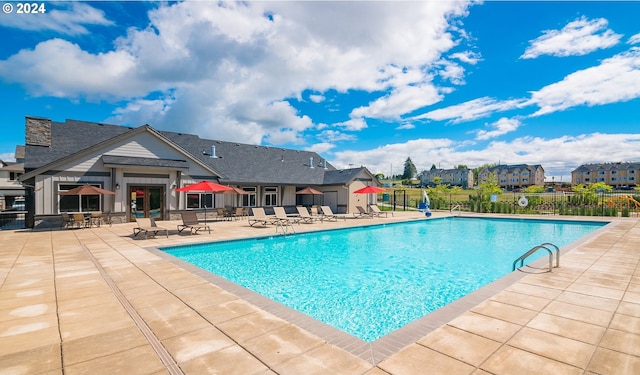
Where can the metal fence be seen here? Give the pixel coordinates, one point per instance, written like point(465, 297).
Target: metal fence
point(12, 220)
point(624, 204)
point(617, 203)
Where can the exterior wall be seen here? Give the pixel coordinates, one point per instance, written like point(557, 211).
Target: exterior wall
point(363, 200)
point(453, 177)
point(614, 174)
point(90, 169)
point(514, 177)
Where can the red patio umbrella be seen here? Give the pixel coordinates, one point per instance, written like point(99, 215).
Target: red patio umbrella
point(205, 186)
point(370, 190)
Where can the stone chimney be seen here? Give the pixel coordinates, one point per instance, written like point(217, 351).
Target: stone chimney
point(38, 131)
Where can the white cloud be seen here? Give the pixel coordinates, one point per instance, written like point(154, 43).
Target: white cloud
point(62, 69)
point(316, 98)
point(558, 156)
point(218, 68)
point(634, 39)
point(500, 127)
point(406, 126)
point(335, 136)
point(353, 124)
point(8, 157)
point(320, 148)
point(401, 100)
point(471, 110)
point(64, 18)
point(578, 37)
point(467, 57)
point(616, 79)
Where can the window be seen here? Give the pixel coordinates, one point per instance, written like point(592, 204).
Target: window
point(614, 172)
point(249, 200)
point(13, 176)
point(73, 203)
point(270, 196)
point(199, 200)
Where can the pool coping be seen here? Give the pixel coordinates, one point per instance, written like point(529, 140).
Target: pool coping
point(390, 344)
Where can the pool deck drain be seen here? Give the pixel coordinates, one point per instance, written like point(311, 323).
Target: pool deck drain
point(583, 318)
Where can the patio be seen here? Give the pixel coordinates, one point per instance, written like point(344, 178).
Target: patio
point(96, 300)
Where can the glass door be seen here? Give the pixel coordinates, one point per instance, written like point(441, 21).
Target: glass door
point(146, 201)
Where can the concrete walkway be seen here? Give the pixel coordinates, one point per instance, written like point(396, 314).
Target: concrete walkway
point(96, 301)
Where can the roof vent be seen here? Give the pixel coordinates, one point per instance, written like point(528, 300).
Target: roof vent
point(310, 161)
point(324, 164)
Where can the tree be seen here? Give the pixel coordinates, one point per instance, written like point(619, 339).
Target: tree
point(409, 169)
point(489, 186)
point(460, 166)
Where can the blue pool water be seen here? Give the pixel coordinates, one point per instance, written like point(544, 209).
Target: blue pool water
point(370, 281)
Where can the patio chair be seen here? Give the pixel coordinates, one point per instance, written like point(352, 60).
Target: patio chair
point(304, 215)
point(148, 227)
point(238, 213)
point(258, 217)
point(190, 220)
point(80, 221)
point(282, 217)
point(67, 220)
point(327, 214)
point(375, 211)
point(362, 213)
point(96, 218)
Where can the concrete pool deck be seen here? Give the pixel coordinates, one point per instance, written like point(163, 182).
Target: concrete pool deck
point(98, 301)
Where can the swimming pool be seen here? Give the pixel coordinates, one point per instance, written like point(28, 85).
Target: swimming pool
point(370, 281)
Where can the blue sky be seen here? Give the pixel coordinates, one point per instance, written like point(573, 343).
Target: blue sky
point(362, 83)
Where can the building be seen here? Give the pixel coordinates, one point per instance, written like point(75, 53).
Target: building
point(618, 175)
point(11, 191)
point(462, 177)
point(513, 177)
point(144, 166)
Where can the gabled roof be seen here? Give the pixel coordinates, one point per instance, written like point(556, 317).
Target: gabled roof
point(607, 166)
point(345, 176)
point(235, 163)
point(515, 167)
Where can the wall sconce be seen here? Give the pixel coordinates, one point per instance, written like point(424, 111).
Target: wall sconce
point(173, 186)
point(117, 186)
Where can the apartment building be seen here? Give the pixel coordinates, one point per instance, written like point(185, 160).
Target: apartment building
point(617, 175)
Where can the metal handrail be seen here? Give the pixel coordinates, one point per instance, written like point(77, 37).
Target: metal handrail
point(535, 249)
point(454, 207)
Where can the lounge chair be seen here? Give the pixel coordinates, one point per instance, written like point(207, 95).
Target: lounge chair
point(282, 217)
point(375, 211)
point(190, 220)
point(362, 213)
point(304, 215)
point(328, 215)
point(148, 227)
point(258, 217)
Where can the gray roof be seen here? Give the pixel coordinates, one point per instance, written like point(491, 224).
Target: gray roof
point(237, 162)
point(511, 168)
point(607, 166)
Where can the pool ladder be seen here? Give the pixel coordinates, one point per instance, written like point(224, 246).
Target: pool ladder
point(544, 246)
